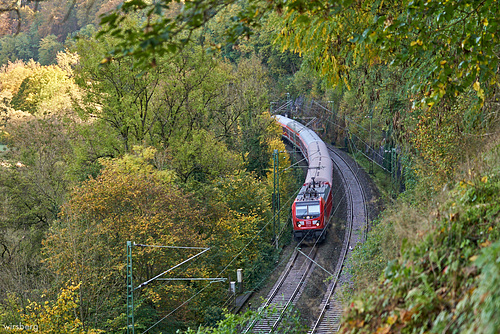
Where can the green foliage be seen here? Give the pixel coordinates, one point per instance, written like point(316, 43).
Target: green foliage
point(281, 66)
point(130, 200)
point(11, 309)
point(440, 139)
point(91, 142)
point(33, 186)
point(163, 30)
point(11, 77)
point(20, 47)
point(440, 282)
point(13, 74)
point(233, 323)
point(47, 52)
point(58, 316)
point(34, 181)
point(204, 184)
point(156, 107)
point(327, 44)
point(244, 193)
point(202, 156)
point(256, 140)
point(485, 296)
point(430, 142)
point(368, 261)
point(451, 44)
point(455, 41)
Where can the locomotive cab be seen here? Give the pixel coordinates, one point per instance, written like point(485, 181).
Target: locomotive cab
point(310, 211)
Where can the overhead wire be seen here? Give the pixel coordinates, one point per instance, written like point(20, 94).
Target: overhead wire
point(240, 252)
point(225, 268)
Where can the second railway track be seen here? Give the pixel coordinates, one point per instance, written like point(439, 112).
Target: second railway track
point(357, 222)
point(287, 290)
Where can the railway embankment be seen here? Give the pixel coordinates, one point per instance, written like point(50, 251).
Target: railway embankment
point(433, 260)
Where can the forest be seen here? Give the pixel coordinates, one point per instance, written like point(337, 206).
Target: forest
point(151, 122)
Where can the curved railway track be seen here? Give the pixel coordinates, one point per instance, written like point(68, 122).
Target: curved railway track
point(292, 281)
point(357, 220)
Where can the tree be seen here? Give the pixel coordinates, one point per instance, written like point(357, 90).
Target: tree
point(13, 74)
point(453, 43)
point(130, 200)
point(48, 50)
point(11, 77)
point(13, 48)
point(244, 98)
point(202, 157)
point(45, 91)
point(448, 56)
point(260, 131)
point(115, 95)
point(165, 102)
point(33, 186)
point(34, 180)
point(56, 317)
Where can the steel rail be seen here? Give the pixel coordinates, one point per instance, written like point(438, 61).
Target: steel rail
point(280, 288)
point(295, 291)
point(347, 240)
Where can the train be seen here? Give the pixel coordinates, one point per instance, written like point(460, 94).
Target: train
point(313, 205)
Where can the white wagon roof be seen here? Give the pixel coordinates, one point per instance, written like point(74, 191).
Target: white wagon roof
point(320, 162)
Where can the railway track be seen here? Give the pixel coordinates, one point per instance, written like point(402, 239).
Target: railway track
point(286, 291)
point(293, 280)
point(357, 219)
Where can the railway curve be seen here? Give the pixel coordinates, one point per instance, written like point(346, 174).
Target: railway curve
point(328, 320)
point(357, 200)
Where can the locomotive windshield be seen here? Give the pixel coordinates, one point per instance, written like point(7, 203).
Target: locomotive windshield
point(307, 210)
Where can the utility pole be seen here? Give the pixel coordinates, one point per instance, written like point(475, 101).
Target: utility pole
point(276, 190)
point(370, 145)
point(130, 291)
point(271, 106)
point(394, 170)
point(130, 287)
point(278, 194)
point(331, 111)
point(289, 102)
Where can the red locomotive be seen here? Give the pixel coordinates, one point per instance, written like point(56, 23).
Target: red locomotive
point(313, 205)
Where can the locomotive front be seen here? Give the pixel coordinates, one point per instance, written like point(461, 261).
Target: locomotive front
point(310, 211)
point(313, 205)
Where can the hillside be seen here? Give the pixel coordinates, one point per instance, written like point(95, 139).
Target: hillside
point(446, 277)
point(155, 127)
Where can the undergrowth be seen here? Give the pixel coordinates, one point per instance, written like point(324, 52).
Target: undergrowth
point(447, 276)
point(381, 177)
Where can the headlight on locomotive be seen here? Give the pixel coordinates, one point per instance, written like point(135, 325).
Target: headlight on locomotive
point(300, 223)
point(316, 222)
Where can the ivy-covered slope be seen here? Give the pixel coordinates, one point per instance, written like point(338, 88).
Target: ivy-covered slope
point(448, 282)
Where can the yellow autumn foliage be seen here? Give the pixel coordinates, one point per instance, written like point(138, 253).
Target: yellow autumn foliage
point(58, 316)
